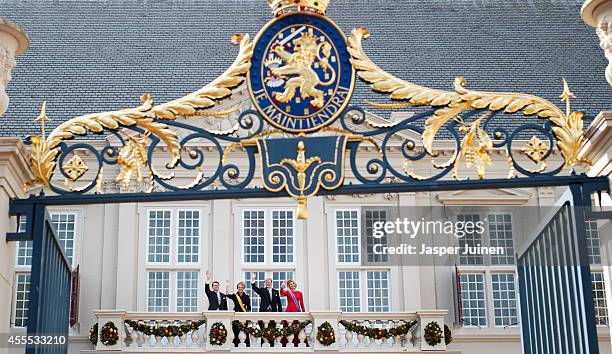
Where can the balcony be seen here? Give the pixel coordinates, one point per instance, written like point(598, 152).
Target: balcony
point(317, 331)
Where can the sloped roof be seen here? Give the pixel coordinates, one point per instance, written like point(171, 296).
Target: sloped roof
point(95, 55)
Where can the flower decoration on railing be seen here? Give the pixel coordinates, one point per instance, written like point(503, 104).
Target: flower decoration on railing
point(161, 330)
point(93, 334)
point(326, 334)
point(217, 334)
point(433, 334)
point(109, 334)
point(272, 333)
point(379, 333)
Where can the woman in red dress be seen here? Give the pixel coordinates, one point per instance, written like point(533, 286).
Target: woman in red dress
point(295, 299)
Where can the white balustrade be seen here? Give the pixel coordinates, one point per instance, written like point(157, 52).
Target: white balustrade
point(262, 332)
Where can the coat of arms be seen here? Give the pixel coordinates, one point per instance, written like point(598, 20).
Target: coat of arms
point(301, 77)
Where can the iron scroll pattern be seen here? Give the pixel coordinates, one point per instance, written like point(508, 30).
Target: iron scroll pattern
point(527, 147)
point(136, 149)
point(204, 153)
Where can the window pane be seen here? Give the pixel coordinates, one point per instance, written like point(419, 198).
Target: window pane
point(500, 232)
point(599, 298)
point(370, 217)
point(64, 224)
point(593, 244)
point(473, 306)
point(24, 253)
point(187, 291)
point(259, 280)
point(253, 236)
point(159, 236)
point(378, 291)
point(347, 236)
point(277, 280)
point(282, 236)
point(473, 239)
point(188, 236)
point(348, 284)
point(22, 291)
point(158, 298)
point(504, 300)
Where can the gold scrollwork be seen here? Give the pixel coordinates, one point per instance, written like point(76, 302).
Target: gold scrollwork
point(45, 150)
point(568, 127)
point(301, 164)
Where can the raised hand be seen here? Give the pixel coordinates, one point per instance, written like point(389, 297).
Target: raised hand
point(252, 277)
point(208, 275)
point(227, 286)
point(284, 283)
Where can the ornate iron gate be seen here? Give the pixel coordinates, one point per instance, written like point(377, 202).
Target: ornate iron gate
point(556, 296)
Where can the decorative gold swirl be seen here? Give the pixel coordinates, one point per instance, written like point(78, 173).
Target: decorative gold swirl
point(45, 151)
point(568, 127)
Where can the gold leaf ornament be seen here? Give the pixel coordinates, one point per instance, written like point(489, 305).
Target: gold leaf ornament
point(568, 127)
point(75, 168)
point(45, 150)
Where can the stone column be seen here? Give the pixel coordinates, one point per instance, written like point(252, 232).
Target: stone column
point(598, 14)
point(13, 41)
point(14, 171)
point(598, 149)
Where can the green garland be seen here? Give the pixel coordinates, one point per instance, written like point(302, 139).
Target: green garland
point(270, 333)
point(433, 334)
point(109, 335)
point(325, 334)
point(448, 335)
point(165, 331)
point(93, 334)
point(378, 333)
point(217, 334)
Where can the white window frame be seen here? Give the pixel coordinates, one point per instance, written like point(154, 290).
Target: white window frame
point(393, 276)
point(335, 236)
point(488, 269)
point(144, 266)
point(268, 263)
point(14, 298)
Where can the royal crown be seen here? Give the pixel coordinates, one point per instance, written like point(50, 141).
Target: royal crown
point(280, 7)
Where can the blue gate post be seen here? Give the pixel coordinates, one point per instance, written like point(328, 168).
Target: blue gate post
point(582, 203)
point(556, 295)
point(49, 302)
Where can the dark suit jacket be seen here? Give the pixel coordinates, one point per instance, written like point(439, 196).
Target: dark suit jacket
point(213, 301)
point(246, 301)
point(267, 304)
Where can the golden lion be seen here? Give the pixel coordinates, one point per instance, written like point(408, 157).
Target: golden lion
point(300, 62)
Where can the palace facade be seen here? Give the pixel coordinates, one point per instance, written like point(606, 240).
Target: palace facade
point(147, 261)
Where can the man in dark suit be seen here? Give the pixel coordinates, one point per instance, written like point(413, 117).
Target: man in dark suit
point(217, 301)
point(270, 298)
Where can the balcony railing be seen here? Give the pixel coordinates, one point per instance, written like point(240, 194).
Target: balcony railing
point(295, 332)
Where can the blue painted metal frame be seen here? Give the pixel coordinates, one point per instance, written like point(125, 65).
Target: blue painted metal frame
point(557, 306)
point(49, 298)
point(250, 125)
